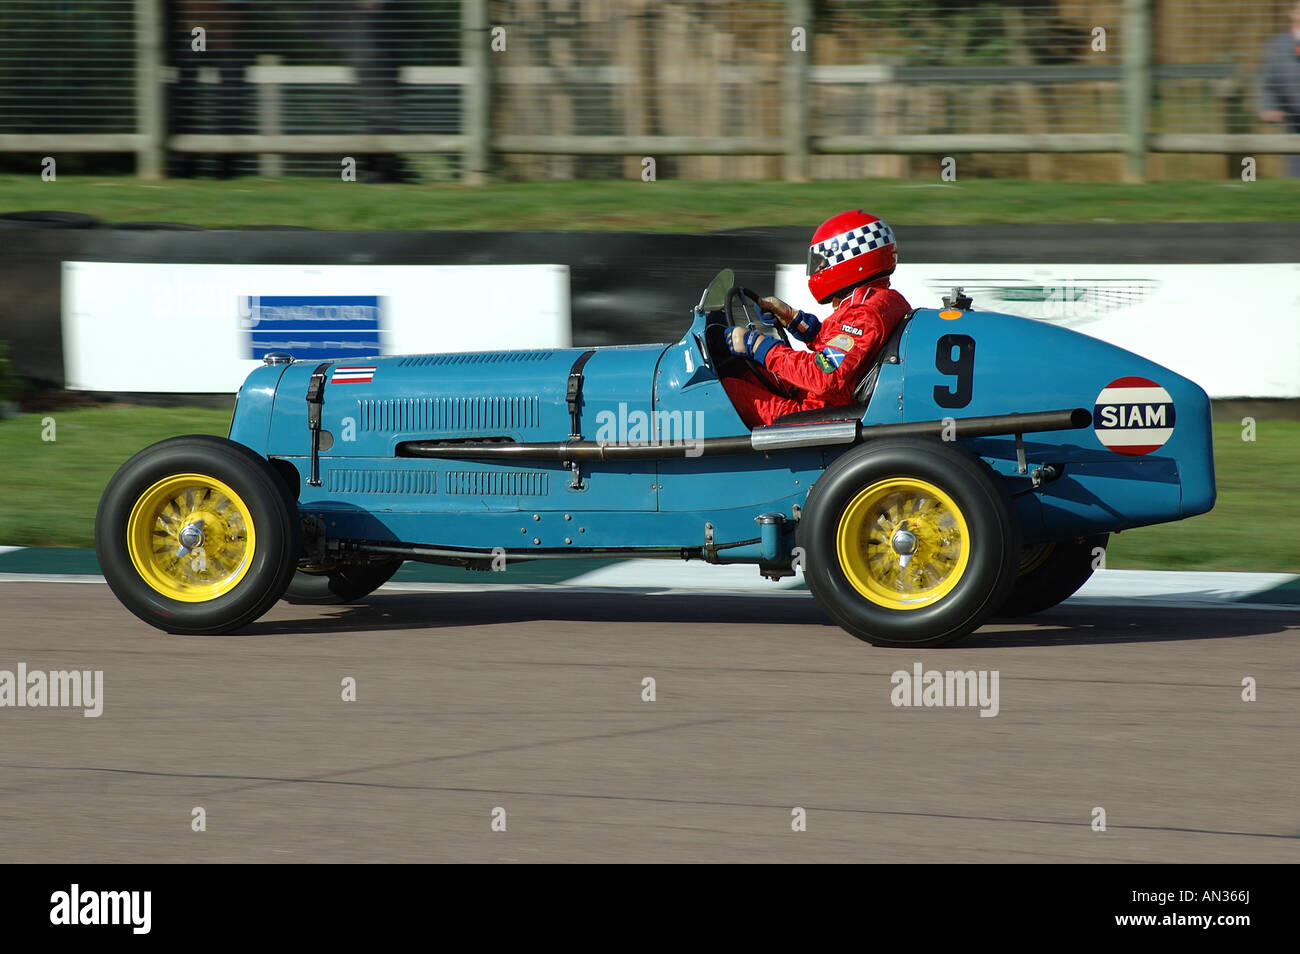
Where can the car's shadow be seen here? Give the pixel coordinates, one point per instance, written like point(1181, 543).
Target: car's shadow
point(1062, 626)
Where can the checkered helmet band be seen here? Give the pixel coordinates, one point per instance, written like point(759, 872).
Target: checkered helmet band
point(847, 245)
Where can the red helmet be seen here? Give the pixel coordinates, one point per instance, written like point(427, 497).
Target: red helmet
point(847, 250)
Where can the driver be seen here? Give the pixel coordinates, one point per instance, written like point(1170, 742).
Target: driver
point(850, 260)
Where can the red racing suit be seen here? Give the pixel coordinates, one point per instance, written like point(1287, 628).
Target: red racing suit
point(841, 350)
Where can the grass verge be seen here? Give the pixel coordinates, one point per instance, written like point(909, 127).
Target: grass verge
point(49, 489)
point(1253, 526)
point(664, 206)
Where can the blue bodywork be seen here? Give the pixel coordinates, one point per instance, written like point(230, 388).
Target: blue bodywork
point(968, 364)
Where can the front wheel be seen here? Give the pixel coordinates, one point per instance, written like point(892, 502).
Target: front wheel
point(340, 584)
point(909, 542)
point(195, 535)
point(1052, 572)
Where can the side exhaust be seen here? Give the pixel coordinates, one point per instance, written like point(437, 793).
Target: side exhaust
point(761, 439)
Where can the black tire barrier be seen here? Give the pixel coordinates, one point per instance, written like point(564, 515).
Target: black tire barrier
point(46, 219)
point(155, 226)
point(625, 287)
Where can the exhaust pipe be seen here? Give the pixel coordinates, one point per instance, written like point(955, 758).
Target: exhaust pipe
point(762, 439)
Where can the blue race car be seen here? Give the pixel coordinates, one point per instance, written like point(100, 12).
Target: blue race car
point(979, 472)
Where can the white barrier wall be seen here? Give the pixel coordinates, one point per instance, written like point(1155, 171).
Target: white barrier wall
point(202, 328)
point(1233, 329)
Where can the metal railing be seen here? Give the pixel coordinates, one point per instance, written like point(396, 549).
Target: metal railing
point(526, 88)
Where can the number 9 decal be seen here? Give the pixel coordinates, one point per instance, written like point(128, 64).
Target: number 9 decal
point(955, 355)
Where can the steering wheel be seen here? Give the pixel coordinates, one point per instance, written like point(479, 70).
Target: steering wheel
point(743, 318)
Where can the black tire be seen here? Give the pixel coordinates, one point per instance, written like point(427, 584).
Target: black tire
point(1051, 573)
point(342, 584)
point(973, 590)
point(276, 531)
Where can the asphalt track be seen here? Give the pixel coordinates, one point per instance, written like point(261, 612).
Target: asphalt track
point(530, 700)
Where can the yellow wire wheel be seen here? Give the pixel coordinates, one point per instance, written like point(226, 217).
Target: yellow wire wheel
point(910, 541)
point(903, 543)
point(190, 537)
point(198, 535)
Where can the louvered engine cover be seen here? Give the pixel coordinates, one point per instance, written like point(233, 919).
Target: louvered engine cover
point(373, 405)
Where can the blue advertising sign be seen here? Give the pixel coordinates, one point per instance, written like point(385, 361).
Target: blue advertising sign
point(312, 326)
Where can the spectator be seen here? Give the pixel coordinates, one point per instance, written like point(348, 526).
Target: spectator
point(1279, 85)
point(372, 48)
point(210, 94)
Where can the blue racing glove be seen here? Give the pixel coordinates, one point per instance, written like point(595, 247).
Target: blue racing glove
point(749, 344)
point(798, 323)
point(804, 326)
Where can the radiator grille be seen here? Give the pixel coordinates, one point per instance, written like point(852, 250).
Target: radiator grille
point(498, 483)
point(484, 415)
point(387, 481)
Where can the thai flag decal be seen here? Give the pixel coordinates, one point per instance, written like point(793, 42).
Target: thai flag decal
point(354, 374)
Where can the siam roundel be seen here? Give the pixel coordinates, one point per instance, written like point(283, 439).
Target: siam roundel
point(1133, 416)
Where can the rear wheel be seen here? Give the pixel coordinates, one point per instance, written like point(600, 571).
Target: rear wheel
point(909, 542)
point(340, 584)
point(1052, 572)
point(195, 535)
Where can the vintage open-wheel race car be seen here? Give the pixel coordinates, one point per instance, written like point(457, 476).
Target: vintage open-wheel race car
point(980, 471)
